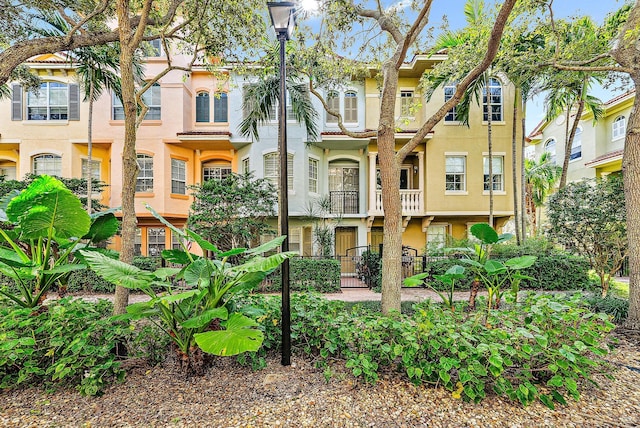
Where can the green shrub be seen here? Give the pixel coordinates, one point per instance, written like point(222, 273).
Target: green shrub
point(537, 350)
point(147, 263)
point(87, 280)
point(617, 308)
point(68, 342)
point(322, 275)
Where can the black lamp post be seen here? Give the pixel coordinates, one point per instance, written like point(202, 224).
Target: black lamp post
point(282, 18)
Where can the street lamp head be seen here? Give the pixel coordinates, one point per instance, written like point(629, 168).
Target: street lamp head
point(282, 17)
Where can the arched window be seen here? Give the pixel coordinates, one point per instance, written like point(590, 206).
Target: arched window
point(619, 127)
point(495, 100)
point(202, 106)
point(333, 102)
point(550, 147)
point(576, 145)
point(350, 107)
point(144, 182)
point(47, 164)
point(220, 108)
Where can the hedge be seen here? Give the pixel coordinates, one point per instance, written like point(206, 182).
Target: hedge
point(322, 275)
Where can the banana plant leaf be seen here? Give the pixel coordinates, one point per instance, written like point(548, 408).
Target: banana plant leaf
point(205, 318)
point(104, 225)
point(117, 272)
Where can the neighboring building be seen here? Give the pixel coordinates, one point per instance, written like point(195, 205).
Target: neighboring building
point(191, 134)
point(596, 149)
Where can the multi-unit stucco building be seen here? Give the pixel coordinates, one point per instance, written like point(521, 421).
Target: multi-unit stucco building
point(191, 133)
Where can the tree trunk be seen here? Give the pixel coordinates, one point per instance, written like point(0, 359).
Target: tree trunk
point(569, 140)
point(90, 148)
point(631, 174)
point(390, 179)
point(129, 162)
point(514, 166)
point(523, 181)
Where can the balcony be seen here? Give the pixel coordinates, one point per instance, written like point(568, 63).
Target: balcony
point(411, 200)
point(344, 201)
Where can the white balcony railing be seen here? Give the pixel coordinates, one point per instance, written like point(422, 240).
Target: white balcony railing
point(411, 200)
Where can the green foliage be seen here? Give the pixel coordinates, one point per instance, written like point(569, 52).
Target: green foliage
point(613, 306)
point(590, 217)
point(538, 350)
point(68, 342)
point(86, 280)
point(46, 224)
point(147, 263)
point(233, 211)
point(371, 271)
point(449, 278)
point(322, 275)
point(199, 316)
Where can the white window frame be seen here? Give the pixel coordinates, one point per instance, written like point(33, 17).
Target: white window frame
point(485, 172)
point(451, 116)
point(43, 102)
point(439, 243)
point(576, 146)
point(154, 244)
point(406, 103)
point(50, 164)
point(494, 86)
point(552, 153)
point(144, 180)
point(619, 128)
point(463, 174)
point(216, 170)
point(271, 163)
point(178, 176)
point(95, 168)
point(156, 50)
point(313, 167)
point(152, 98)
point(246, 165)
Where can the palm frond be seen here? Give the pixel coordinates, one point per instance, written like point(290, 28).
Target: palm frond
point(303, 109)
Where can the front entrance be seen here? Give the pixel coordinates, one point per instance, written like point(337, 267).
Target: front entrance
point(346, 238)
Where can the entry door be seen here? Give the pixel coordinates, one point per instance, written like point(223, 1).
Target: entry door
point(345, 239)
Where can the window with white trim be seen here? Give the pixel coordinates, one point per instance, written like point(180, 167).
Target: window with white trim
point(155, 49)
point(550, 147)
point(246, 166)
point(451, 115)
point(495, 100)
point(152, 99)
point(350, 107)
point(178, 177)
point(95, 169)
point(47, 164)
point(576, 145)
point(295, 239)
point(406, 103)
point(51, 102)
point(436, 237)
point(155, 241)
point(497, 172)
point(272, 169)
point(619, 127)
point(333, 102)
point(215, 170)
point(455, 173)
point(313, 175)
point(144, 182)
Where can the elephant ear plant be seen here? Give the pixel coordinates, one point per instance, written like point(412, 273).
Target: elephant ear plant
point(196, 315)
point(42, 228)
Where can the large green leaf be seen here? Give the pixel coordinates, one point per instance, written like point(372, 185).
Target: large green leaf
point(199, 272)
point(521, 262)
point(117, 272)
point(264, 264)
point(177, 256)
point(415, 280)
point(64, 268)
point(174, 229)
point(484, 233)
point(205, 318)
point(455, 271)
point(46, 205)
point(164, 273)
point(267, 246)
point(240, 336)
point(250, 280)
point(103, 227)
point(493, 267)
point(12, 258)
point(203, 243)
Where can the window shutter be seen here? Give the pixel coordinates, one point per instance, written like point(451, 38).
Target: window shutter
point(220, 108)
point(16, 102)
point(74, 102)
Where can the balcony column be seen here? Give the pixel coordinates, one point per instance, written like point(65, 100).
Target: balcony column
point(372, 181)
point(421, 181)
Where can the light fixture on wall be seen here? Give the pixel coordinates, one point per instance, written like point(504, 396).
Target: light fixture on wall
point(415, 169)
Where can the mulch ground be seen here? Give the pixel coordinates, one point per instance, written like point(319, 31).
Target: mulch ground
point(230, 395)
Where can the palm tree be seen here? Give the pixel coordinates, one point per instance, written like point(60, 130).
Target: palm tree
point(541, 177)
point(261, 97)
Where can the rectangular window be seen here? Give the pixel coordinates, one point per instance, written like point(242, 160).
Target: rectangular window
point(178, 177)
point(448, 94)
point(295, 239)
point(436, 238)
point(215, 172)
point(117, 110)
point(155, 241)
point(176, 241)
point(350, 107)
point(155, 49)
point(246, 166)
point(152, 100)
point(313, 175)
point(144, 183)
point(137, 251)
point(47, 164)
point(455, 173)
point(220, 108)
point(272, 169)
point(50, 103)
point(202, 107)
point(333, 102)
point(95, 169)
point(406, 103)
point(498, 173)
